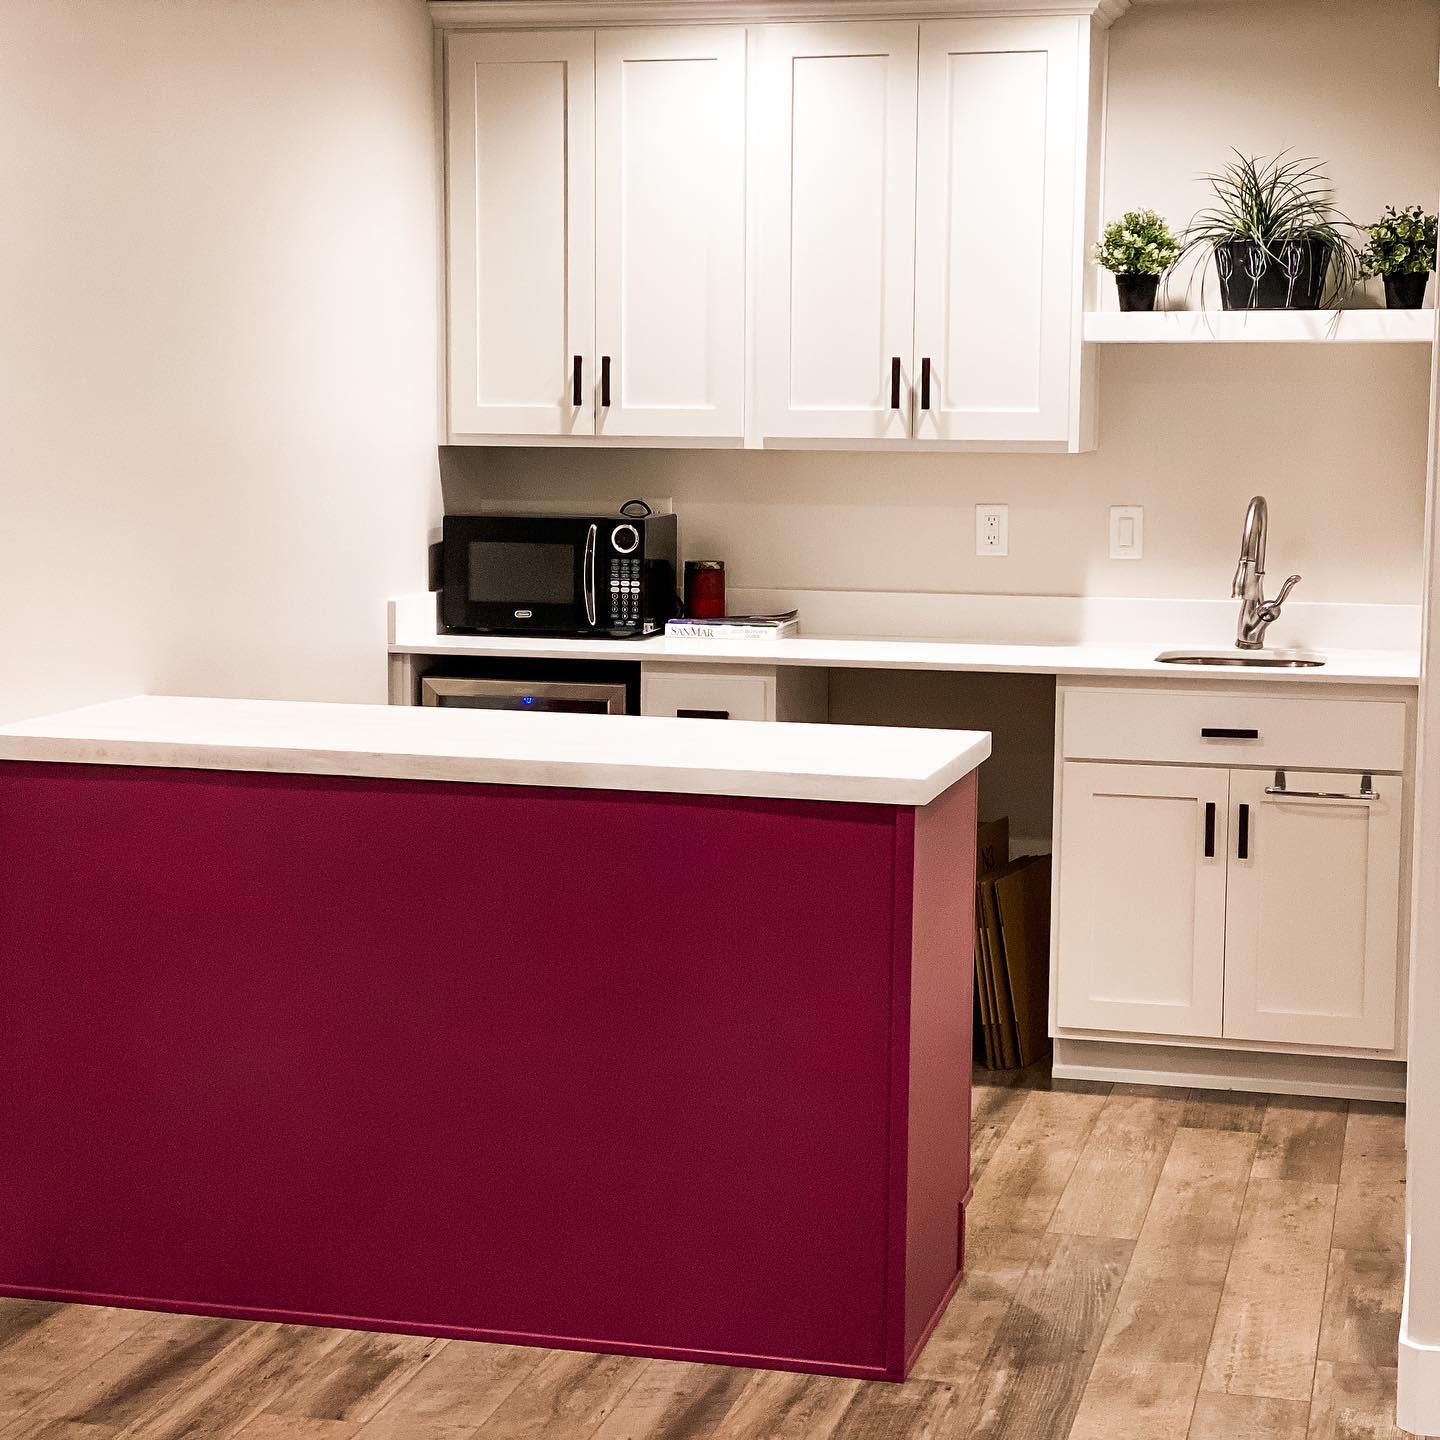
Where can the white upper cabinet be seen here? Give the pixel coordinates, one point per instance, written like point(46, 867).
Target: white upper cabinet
point(834, 128)
point(670, 230)
point(521, 173)
point(848, 233)
point(1312, 915)
point(1001, 159)
point(922, 214)
point(596, 189)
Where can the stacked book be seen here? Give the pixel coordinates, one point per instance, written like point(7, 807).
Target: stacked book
point(1012, 952)
point(736, 627)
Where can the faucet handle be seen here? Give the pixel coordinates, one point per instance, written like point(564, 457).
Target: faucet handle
point(1285, 590)
point(1269, 610)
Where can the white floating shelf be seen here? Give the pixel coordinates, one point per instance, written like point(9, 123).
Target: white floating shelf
point(1261, 327)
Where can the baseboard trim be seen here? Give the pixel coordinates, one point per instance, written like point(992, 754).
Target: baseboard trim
point(1340, 1077)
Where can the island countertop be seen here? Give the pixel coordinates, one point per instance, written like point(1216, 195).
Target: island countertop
point(845, 763)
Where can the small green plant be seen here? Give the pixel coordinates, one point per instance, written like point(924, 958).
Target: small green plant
point(1402, 242)
point(1276, 204)
point(1139, 243)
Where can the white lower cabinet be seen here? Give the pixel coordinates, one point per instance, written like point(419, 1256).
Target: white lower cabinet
point(1142, 880)
point(1312, 913)
point(1226, 902)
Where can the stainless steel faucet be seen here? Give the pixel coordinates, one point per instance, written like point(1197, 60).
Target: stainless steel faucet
point(1257, 613)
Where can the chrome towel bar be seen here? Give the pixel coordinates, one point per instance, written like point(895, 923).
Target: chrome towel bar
point(1367, 790)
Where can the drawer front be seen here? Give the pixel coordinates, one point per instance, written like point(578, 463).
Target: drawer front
point(707, 694)
point(1213, 728)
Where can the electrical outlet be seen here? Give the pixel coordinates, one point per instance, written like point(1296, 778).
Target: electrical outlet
point(992, 529)
point(1127, 532)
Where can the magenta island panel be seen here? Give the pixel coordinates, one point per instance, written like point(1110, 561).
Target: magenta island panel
point(658, 1074)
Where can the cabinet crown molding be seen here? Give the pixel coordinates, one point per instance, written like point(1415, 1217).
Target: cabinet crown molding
point(561, 14)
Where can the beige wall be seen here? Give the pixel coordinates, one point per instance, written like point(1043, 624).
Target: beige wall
point(217, 343)
point(1334, 437)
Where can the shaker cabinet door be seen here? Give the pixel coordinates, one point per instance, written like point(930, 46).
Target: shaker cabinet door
point(999, 196)
point(1313, 912)
point(834, 133)
point(670, 231)
point(521, 187)
point(1142, 898)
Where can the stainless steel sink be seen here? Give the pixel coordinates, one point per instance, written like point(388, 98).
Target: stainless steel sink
point(1256, 659)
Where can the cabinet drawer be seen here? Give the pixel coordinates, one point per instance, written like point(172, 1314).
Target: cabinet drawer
point(1214, 728)
point(708, 694)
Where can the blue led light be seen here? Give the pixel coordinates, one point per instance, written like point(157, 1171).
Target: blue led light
point(527, 699)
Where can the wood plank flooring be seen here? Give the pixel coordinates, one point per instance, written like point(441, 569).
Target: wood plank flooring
point(1143, 1264)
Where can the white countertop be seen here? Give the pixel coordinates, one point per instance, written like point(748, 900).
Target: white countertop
point(850, 763)
point(1347, 667)
point(1018, 635)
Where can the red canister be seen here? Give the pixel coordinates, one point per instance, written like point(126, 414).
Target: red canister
point(704, 589)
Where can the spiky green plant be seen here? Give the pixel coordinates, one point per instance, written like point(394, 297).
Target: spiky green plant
point(1274, 203)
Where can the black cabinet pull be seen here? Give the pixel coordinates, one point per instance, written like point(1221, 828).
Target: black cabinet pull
point(895, 383)
point(702, 714)
point(1220, 732)
point(1210, 830)
point(605, 382)
point(925, 383)
point(1242, 846)
point(577, 392)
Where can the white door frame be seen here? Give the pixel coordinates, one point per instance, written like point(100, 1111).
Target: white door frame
point(1419, 1375)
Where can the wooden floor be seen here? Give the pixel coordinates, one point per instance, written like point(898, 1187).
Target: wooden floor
point(1142, 1263)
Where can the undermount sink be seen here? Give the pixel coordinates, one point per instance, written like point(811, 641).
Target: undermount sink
point(1260, 659)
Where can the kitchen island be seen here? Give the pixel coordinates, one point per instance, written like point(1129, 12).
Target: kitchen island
point(614, 1033)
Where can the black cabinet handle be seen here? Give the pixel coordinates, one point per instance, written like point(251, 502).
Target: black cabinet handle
point(1210, 830)
point(702, 714)
point(895, 383)
point(605, 382)
point(1220, 732)
point(925, 383)
point(577, 391)
point(1242, 846)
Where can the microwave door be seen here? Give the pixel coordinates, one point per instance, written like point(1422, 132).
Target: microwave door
point(525, 577)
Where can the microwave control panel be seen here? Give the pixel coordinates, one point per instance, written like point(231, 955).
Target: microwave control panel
point(625, 593)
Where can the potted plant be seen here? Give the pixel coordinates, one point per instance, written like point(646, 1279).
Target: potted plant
point(1138, 249)
point(1401, 249)
point(1276, 235)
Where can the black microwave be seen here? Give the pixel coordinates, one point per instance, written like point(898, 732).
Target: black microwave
point(608, 576)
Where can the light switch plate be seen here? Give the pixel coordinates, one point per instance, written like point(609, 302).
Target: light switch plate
point(1127, 532)
point(992, 529)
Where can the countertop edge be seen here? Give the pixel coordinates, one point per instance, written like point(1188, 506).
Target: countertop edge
point(648, 777)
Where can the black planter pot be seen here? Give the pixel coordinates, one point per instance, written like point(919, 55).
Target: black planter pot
point(1293, 278)
point(1137, 292)
point(1406, 292)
